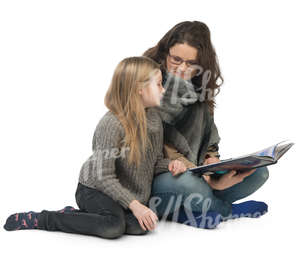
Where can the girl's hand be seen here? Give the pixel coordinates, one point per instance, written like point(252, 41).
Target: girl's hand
point(145, 216)
point(176, 167)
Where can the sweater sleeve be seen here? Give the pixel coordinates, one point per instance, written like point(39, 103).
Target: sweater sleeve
point(105, 142)
point(213, 145)
point(162, 162)
point(173, 154)
point(161, 165)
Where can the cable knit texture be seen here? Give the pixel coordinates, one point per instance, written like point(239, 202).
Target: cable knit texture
point(107, 169)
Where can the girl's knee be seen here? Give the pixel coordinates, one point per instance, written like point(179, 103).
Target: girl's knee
point(136, 231)
point(113, 230)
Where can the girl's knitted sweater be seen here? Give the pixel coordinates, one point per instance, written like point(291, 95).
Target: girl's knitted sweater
point(107, 169)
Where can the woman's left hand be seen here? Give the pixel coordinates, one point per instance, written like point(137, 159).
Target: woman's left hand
point(176, 167)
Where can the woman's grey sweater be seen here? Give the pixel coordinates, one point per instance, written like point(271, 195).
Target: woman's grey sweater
point(107, 169)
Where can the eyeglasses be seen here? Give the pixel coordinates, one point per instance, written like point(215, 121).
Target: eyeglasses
point(177, 61)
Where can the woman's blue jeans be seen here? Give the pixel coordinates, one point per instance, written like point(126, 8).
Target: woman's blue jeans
point(170, 192)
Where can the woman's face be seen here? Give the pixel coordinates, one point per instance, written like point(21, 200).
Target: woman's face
point(182, 60)
point(153, 92)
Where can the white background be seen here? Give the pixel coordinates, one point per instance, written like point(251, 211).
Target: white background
point(56, 62)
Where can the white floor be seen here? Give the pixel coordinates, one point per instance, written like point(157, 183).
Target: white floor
point(275, 230)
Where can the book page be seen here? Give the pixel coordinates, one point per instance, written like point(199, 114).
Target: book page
point(242, 164)
point(255, 160)
point(270, 152)
point(280, 150)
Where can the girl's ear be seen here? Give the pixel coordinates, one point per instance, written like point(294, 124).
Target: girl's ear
point(140, 91)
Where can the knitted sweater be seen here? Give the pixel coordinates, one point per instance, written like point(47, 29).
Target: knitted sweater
point(107, 169)
point(188, 125)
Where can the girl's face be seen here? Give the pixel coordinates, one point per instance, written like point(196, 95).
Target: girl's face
point(182, 61)
point(153, 92)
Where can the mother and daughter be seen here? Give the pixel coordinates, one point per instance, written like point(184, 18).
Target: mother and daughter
point(159, 123)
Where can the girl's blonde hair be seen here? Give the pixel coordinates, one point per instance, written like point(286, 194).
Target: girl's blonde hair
point(123, 99)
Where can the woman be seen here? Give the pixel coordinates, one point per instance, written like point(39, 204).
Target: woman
point(190, 74)
point(115, 182)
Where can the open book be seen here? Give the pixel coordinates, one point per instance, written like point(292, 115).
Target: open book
point(258, 159)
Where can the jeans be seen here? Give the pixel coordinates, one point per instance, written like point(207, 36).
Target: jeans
point(193, 192)
point(99, 215)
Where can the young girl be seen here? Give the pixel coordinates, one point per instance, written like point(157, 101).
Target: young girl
point(115, 182)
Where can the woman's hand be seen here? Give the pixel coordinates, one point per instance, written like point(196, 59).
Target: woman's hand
point(211, 160)
point(176, 167)
point(145, 216)
point(227, 180)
